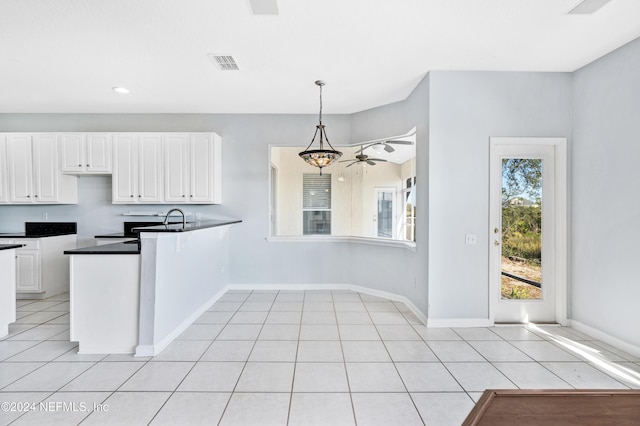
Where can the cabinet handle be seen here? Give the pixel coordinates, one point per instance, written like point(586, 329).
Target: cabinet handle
point(88, 165)
point(131, 196)
point(36, 196)
point(183, 196)
point(139, 196)
point(28, 196)
point(79, 165)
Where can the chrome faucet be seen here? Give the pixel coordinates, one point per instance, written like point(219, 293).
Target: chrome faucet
point(184, 218)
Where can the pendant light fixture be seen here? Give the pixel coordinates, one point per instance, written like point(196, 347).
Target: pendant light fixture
point(320, 157)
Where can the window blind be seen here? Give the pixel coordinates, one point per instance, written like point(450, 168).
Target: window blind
point(316, 191)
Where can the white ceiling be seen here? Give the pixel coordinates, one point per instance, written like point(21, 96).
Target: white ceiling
point(66, 55)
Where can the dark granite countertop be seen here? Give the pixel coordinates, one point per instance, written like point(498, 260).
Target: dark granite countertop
point(114, 235)
point(25, 235)
point(10, 246)
point(44, 229)
point(116, 248)
point(194, 226)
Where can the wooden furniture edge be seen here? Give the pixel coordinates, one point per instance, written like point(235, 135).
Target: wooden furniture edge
point(475, 415)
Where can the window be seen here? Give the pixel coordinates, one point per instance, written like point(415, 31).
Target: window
point(343, 202)
point(316, 204)
point(409, 192)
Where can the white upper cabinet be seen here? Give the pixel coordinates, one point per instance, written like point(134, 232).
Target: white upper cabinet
point(150, 168)
point(4, 197)
point(193, 168)
point(45, 168)
point(138, 168)
point(33, 173)
point(85, 153)
point(176, 168)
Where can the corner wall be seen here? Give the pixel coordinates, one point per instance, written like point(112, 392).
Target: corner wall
point(467, 108)
point(606, 195)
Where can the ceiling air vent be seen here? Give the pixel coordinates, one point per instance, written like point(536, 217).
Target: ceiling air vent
point(587, 7)
point(224, 62)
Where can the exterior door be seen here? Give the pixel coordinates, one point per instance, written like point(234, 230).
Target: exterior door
point(384, 222)
point(526, 283)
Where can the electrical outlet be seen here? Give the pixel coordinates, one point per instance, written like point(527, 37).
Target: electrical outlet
point(470, 239)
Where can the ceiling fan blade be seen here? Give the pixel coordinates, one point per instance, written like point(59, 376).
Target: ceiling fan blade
point(371, 163)
point(388, 148)
point(378, 159)
point(400, 142)
point(349, 165)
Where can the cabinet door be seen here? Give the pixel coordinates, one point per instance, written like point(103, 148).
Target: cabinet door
point(150, 171)
point(176, 182)
point(27, 270)
point(124, 181)
point(20, 163)
point(45, 168)
point(201, 176)
point(98, 153)
point(72, 156)
point(205, 178)
point(4, 173)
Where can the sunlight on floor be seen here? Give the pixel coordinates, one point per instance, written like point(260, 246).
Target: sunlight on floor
point(592, 355)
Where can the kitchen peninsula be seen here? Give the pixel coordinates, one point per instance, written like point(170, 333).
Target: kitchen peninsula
point(139, 296)
point(7, 286)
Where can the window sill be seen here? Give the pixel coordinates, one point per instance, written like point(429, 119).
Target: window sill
point(409, 245)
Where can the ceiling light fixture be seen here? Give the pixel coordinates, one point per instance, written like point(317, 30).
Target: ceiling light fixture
point(320, 157)
point(121, 90)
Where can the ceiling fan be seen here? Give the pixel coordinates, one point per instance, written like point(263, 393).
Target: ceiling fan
point(386, 145)
point(362, 158)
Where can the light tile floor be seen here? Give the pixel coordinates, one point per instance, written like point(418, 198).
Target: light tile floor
point(292, 357)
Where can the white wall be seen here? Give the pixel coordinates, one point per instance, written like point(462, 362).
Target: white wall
point(398, 270)
point(466, 109)
point(606, 195)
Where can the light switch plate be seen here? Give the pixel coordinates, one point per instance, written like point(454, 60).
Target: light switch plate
point(470, 239)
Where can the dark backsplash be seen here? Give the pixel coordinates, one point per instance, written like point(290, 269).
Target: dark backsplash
point(47, 229)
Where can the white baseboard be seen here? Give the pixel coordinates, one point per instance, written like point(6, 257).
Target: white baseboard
point(601, 335)
point(156, 348)
point(391, 296)
point(459, 322)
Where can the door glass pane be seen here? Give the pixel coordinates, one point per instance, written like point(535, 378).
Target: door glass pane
point(521, 228)
point(385, 214)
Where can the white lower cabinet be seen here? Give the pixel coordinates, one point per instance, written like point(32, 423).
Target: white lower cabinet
point(41, 267)
point(27, 270)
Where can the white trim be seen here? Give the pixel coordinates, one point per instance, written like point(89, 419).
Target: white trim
point(409, 245)
point(391, 296)
point(459, 322)
point(607, 338)
point(560, 201)
point(153, 350)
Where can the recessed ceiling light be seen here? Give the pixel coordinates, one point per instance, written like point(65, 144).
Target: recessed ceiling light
point(121, 90)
